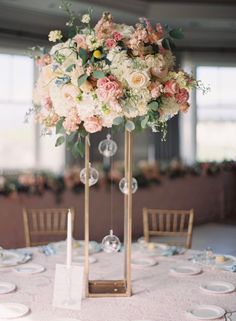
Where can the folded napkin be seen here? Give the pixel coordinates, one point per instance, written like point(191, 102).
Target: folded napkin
point(48, 250)
point(172, 250)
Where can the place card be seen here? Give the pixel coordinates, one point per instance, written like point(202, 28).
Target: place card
point(68, 287)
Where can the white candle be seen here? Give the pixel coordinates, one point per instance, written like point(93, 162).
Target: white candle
point(69, 240)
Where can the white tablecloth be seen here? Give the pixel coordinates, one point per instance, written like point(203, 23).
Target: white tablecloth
point(157, 294)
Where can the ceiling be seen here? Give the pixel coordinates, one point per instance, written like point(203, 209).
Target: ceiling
point(206, 23)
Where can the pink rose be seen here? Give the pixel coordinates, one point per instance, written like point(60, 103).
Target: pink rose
point(155, 89)
point(184, 107)
point(110, 43)
point(72, 121)
point(182, 96)
point(117, 36)
point(47, 103)
point(92, 124)
point(170, 88)
point(108, 88)
point(80, 41)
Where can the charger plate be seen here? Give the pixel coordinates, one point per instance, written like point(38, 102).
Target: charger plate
point(206, 312)
point(10, 310)
point(6, 287)
point(218, 287)
point(186, 270)
point(29, 269)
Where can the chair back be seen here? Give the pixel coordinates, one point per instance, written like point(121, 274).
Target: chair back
point(176, 224)
point(45, 224)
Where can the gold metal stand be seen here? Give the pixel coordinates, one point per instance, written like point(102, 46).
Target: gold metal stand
point(111, 288)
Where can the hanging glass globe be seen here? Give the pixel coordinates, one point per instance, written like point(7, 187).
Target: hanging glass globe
point(123, 185)
point(93, 175)
point(111, 243)
point(107, 147)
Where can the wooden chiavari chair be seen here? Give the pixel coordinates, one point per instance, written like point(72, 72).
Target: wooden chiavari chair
point(177, 224)
point(45, 223)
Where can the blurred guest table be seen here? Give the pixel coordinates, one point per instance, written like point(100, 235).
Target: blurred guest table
point(158, 294)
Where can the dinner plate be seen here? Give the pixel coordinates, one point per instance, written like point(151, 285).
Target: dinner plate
point(12, 258)
point(6, 287)
point(29, 269)
point(219, 287)
point(143, 261)
point(229, 261)
point(206, 312)
point(12, 310)
point(185, 270)
point(78, 247)
point(81, 258)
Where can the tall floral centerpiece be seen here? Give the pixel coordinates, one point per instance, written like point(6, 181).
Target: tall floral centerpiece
point(102, 76)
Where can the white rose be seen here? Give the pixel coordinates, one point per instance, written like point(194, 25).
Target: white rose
point(138, 79)
point(61, 105)
point(125, 30)
point(54, 35)
point(86, 106)
point(63, 48)
point(85, 18)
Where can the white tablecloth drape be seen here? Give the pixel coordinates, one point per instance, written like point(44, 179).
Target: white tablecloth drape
point(157, 294)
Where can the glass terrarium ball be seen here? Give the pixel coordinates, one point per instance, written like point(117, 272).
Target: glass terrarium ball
point(107, 147)
point(123, 185)
point(111, 243)
point(93, 175)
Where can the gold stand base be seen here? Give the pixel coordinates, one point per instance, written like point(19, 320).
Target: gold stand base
point(107, 288)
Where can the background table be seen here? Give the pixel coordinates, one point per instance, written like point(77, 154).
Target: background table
point(157, 295)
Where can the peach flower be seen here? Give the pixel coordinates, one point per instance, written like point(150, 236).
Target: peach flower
point(72, 121)
point(170, 88)
point(138, 79)
point(70, 93)
point(184, 107)
point(108, 88)
point(110, 43)
point(80, 41)
point(92, 125)
point(182, 96)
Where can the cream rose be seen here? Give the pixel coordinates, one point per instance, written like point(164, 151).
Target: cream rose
point(138, 79)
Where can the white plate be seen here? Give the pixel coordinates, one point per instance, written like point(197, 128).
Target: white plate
point(12, 258)
point(229, 261)
point(29, 269)
point(12, 310)
point(206, 312)
point(143, 261)
point(78, 247)
point(219, 287)
point(6, 287)
point(80, 259)
point(186, 270)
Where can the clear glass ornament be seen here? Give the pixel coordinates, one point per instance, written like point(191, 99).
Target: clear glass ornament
point(93, 175)
point(123, 185)
point(107, 147)
point(111, 243)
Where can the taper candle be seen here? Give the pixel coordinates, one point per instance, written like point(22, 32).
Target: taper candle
point(69, 240)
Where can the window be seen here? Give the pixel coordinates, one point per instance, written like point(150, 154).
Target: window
point(20, 145)
point(216, 114)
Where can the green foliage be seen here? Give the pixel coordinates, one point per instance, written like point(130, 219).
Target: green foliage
point(144, 121)
point(82, 79)
point(153, 105)
point(118, 121)
point(59, 127)
point(70, 68)
point(78, 149)
point(60, 140)
point(176, 33)
point(98, 74)
point(129, 125)
point(168, 43)
point(83, 55)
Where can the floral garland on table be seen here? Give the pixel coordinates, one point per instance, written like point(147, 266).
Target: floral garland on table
point(37, 183)
point(109, 75)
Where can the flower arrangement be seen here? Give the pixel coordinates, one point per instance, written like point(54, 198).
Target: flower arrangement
point(109, 75)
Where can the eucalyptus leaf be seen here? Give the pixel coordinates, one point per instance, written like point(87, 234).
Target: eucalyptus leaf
point(144, 121)
point(176, 33)
point(167, 43)
point(118, 121)
point(71, 137)
point(60, 140)
point(153, 105)
point(78, 149)
point(129, 125)
point(82, 79)
point(59, 128)
point(70, 68)
point(98, 74)
point(83, 55)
